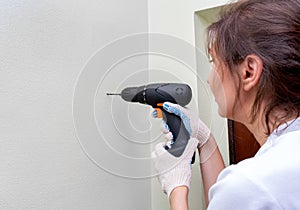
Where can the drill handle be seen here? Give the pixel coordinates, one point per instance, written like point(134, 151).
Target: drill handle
point(180, 134)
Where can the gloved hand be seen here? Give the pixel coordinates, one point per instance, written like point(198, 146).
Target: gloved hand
point(196, 128)
point(174, 171)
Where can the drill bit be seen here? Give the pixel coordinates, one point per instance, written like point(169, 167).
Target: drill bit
point(113, 94)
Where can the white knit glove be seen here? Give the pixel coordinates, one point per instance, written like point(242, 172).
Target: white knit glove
point(174, 171)
point(196, 128)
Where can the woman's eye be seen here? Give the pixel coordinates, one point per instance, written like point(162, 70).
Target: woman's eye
point(211, 60)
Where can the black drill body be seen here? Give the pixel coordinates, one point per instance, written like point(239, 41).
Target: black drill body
point(155, 95)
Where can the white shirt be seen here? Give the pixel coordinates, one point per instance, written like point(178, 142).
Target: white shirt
point(270, 180)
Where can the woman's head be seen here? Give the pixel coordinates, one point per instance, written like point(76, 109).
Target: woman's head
point(270, 30)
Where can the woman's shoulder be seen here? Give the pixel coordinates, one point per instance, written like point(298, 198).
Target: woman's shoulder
point(235, 190)
point(270, 178)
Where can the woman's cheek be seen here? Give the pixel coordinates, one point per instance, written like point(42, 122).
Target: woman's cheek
point(217, 89)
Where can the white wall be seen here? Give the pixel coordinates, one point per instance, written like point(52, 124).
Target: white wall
point(64, 143)
point(208, 109)
point(44, 47)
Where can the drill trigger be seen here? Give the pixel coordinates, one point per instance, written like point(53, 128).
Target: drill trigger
point(159, 112)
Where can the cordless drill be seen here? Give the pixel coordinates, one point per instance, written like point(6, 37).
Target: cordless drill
point(155, 95)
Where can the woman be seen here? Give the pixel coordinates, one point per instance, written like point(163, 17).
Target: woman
point(255, 50)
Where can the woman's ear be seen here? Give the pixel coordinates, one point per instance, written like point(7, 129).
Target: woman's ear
point(251, 70)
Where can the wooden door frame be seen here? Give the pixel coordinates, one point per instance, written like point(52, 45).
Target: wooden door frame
point(242, 143)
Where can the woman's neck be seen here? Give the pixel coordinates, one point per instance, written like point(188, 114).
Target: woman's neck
point(259, 130)
point(259, 127)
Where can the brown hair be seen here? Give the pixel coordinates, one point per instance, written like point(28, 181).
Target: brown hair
point(269, 29)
